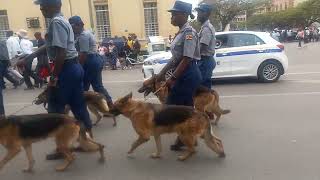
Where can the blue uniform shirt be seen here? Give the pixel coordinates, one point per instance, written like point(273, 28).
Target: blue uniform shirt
point(207, 37)
point(60, 34)
point(86, 43)
point(185, 44)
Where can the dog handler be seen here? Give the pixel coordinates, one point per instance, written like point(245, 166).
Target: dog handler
point(185, 50)
point(66, 81)
point(207, 44)
point(88, 57)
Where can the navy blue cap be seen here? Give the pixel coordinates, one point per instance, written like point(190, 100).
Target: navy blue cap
point(204, 7)
point(47, 2)
point(75, 20)
point(180, 6)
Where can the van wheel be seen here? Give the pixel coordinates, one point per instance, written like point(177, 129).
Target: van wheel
point(269, 71)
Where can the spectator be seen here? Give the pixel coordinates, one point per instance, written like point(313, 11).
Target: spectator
point(14, 50)
point(43, 62)
point(26, 47)
point(136, 47)
point(300, 36)
point(112, 55)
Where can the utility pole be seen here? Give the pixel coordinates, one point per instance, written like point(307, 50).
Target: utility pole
point(70, 8)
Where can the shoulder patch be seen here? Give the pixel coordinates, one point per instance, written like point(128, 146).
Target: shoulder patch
point(189, 37)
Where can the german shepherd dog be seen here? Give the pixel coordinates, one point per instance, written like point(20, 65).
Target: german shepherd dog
point(205, 100)
point(95, 101)
point(156, 119)
point(23, 131)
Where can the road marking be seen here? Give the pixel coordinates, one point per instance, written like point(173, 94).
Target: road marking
point(302, 73)
point(141, 80)
point(232, 96)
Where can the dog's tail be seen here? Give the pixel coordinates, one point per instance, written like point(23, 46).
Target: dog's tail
point(213, 142)
point(103, 106)
point(220, 110)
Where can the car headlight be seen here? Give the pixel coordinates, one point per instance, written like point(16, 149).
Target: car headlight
point(148, 63)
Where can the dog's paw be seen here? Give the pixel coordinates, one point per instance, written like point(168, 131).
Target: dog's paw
point(27, 170)
point(102, 160)
point(130, 156)
point(182, 158)
point(155, 156)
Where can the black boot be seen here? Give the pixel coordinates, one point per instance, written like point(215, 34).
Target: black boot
point(177, 146)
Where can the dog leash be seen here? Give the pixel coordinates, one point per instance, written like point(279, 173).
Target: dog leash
point(156, 92)
point(23, 108)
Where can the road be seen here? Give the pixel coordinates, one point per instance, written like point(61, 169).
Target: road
point(270, 133)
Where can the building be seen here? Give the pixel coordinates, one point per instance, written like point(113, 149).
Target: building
point(280, 5)
point(107, 18)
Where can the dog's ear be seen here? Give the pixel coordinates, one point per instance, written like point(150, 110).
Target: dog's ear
point(127, 97)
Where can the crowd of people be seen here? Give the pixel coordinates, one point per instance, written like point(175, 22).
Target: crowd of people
point(116, 51)
point(306, 35)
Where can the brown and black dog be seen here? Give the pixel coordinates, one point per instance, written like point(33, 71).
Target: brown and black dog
point(95, 101)
point(23, 131)
point(205, 100)
point(156, 119)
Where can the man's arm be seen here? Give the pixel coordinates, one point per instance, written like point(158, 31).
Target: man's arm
point(59, 61)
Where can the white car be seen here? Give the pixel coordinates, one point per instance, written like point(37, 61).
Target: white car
point(238, 54)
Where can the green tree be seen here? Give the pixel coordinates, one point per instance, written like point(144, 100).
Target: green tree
point(226, 10)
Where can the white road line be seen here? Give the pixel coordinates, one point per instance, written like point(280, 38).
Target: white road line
point(232, 96)
point(141, 80)
point(302, 73)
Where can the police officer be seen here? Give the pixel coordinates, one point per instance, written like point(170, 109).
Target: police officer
point(92, 62)
point(185, 51)
point(66, 82)
point(207, 44)
point(4, 63)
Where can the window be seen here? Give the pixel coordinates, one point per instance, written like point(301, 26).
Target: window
point(151, 19)
point(33, 22)
point(103, 22)
point(238, 40)
point(4, 24)
point(222, 41)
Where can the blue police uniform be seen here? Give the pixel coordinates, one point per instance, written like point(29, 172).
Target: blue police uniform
point(4, 63)
point(70, 80)
point(93, 66)
point(185, 44)
point(207, 48)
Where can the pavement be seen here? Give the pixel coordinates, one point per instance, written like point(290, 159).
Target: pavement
point(270, 133)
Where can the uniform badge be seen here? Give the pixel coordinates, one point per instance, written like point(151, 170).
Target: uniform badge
point(189, 37)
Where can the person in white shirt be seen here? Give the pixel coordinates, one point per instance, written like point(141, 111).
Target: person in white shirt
point(13, 45)
point(25, 44)
point(26, 47)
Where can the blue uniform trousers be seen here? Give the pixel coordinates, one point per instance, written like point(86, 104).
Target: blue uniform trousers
point(93, 75)
point(3, 69)
point(69, 91)
point(206, 66)
point(185, 86)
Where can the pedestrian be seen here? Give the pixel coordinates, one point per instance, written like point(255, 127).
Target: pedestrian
point(136, 47)
point(4, 63)
point(27, 49)
point(207, 44)
point(14, 51)
point(66, 81)
point(91, 61)
point(43, 62)
point(185, 50)
point(112, 55)
point(169, 42)
point(300, 36)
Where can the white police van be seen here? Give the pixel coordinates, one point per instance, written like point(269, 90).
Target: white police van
point(238, 54)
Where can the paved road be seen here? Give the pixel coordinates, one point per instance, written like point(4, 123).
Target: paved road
point(270, 134)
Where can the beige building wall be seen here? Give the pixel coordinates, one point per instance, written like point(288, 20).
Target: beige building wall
point(126, 16)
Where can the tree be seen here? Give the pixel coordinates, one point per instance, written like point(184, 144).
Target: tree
point(226, 10)
point(303, 15)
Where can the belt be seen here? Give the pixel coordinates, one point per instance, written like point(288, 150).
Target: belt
point(73, 61)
